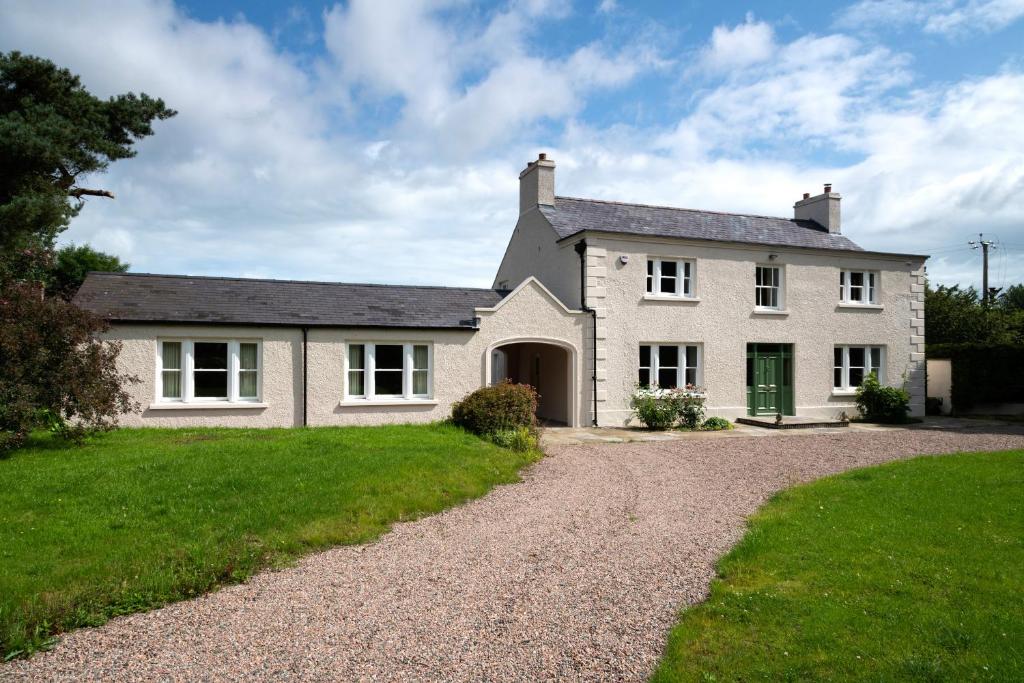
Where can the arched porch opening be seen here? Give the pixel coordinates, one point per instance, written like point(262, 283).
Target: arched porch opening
point(548, 366)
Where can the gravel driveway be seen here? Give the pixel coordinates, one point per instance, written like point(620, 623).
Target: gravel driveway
point(576, 573)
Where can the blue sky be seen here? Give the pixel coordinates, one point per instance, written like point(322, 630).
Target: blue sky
point(381, 141)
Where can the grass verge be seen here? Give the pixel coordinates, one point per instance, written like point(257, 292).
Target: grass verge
point(138, 518)
point(907, 571)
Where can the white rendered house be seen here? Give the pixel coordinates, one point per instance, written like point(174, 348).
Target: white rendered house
point(591, 299)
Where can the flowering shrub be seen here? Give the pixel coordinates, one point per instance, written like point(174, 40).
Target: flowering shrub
point(658, 408)
point(691, 413)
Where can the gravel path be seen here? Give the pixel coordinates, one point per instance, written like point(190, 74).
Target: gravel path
point(576, 573)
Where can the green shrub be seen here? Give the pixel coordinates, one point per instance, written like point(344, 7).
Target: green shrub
point(520, 440)
point(497, 408)
point(55, 373)
point(662, 408)
point(691, 411)
point(716, 424)
point(878, 403)
point(656, 409)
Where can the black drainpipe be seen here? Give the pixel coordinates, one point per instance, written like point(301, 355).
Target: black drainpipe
point(305, 373)
point(581, 249)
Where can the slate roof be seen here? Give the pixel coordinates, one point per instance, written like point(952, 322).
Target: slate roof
point(141, 297)
point(570, 216)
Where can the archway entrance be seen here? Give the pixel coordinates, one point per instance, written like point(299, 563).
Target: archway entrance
point(546, 367)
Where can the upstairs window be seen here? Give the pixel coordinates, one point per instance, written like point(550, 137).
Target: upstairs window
point(858, 287)
point(388, 371)
point(670, 277)
point(669, 366)
point(201, 370)
point(768, 287)
point(852, 364)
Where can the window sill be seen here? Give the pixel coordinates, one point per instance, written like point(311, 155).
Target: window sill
point(673, 299)
point(844, 392)
point(211, 405)
point(770, 311)
point(352, 403)
point(863, 307)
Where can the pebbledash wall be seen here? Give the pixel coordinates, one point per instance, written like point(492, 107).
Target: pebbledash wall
point(461, 363)
point(722, 320)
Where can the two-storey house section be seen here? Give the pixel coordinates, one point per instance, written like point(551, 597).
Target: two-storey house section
point(767, 315)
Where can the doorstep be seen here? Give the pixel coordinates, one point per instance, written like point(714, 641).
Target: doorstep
point(790, 422)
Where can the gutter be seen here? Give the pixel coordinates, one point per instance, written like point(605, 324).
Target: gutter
point(630, 236)
point(581, 249)
point(305, 375)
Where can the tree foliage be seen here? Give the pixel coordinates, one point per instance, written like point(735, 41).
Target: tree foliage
point(958, 316)
point(56, 372)
point(53, 134)
point(72, 263)
point(1012, 299)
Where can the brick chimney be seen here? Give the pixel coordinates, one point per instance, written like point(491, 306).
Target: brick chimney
point(537, 184)
point(823, 209)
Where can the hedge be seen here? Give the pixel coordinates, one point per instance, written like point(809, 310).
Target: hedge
point(983, 373)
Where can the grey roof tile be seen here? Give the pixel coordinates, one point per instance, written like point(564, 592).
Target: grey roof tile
point(140, 297)
point(570, 216)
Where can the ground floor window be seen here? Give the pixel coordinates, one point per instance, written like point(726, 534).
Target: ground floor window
point(203, 370)
point(853, 363)
point(669, 366)
point(388, 370)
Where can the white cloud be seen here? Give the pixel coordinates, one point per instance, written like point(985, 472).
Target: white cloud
point(474, 86)
point(808, 93)
point(396, 160)
point(742, 45)
point(951, 18)
point(978, 15)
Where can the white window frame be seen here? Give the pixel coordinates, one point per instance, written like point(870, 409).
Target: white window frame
point(685, 277)
point(370, 367)
point(869, 289)
point(680, 369)
point(780, 287)
point(188, 368)
point(845, 367)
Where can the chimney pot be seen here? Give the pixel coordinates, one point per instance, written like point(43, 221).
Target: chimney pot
point(542, 156)
point(828, 187)
point(807, 195)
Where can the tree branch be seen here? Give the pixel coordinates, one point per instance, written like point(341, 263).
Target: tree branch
point(67, 178)
point(79, 192)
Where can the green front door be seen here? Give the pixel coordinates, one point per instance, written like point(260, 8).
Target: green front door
point(767, 384)
point(769, 379)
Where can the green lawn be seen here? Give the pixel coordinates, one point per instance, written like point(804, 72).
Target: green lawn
point(137, 518)
point(908, 571)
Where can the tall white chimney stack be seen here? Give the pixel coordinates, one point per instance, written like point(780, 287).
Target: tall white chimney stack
point(537, 184)
point(823, 209)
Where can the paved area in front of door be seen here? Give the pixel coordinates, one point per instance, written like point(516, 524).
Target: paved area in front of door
point(567, 436)
point(577, 573)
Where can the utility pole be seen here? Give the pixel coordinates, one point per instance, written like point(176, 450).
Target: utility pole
point(985, 246)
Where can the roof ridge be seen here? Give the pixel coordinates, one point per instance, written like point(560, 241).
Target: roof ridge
point(677, 208)
point(289, 281)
